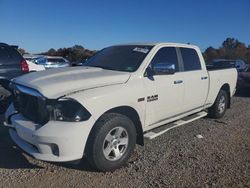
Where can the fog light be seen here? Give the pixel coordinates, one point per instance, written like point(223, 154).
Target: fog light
point(54, 149)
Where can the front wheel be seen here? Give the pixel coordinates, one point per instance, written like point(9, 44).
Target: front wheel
point(220, 105)
point(111, 142)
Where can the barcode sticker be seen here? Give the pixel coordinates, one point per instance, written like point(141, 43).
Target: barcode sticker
point(142, 50)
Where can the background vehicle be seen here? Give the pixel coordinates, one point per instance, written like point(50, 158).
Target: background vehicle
point(79, 63)
point(243, 81)
point(40, 62)
point(123, 94)
point(239, 64)
point(56, 62)
point(12, 65)
point(32, 61)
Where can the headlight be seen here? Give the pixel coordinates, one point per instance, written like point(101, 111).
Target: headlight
point(67, 110)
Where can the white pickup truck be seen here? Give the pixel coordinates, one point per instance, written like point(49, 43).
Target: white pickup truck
point(123, 94)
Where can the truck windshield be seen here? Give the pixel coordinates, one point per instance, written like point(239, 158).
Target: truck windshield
point(120, 58)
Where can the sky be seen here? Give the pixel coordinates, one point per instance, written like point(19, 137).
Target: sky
point(38, 26)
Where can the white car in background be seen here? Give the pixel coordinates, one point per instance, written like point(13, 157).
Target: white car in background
point(56, 62)
point(32, 61)
point(40, 62)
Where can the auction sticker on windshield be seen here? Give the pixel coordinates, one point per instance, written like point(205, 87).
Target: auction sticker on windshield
point(142, 50)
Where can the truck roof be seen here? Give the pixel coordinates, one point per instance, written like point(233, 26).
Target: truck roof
point(160, 43)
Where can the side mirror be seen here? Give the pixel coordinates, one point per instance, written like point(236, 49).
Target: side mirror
point(164, 68)
point(149, 73)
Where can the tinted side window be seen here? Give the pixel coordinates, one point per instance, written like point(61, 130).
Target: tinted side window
point(15, 56)
point(191, 59)
point(166, 55)
point(54, 60)
point(4, 54)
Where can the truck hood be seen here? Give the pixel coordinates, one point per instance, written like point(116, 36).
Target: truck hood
point(55, 83)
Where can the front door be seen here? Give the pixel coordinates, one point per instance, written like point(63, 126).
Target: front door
point(164, 92)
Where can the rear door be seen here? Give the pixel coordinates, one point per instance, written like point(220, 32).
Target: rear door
point(195, 79)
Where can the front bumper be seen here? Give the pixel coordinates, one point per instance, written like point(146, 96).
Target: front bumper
point(55, 141)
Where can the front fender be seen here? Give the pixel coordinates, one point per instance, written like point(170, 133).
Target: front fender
point(100, 100)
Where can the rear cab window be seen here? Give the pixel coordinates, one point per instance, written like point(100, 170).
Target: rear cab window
point(191, 60)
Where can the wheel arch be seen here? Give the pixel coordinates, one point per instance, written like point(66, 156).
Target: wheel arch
point(132, 114)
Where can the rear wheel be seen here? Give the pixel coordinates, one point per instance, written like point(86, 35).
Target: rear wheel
point(111, 142)
point(4, 99)
point(220, 105)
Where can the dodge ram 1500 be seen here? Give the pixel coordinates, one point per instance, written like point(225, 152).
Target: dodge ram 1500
point(122, 94)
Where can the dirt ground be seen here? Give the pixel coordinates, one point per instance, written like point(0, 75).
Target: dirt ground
point(176, 159)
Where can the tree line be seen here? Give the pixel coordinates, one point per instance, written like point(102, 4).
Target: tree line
point(231, 48)
point(76, 53)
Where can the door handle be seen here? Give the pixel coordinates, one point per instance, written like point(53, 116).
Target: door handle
point(178, 81)
point(204, 77)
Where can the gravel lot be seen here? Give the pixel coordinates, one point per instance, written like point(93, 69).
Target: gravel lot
point(176, 159)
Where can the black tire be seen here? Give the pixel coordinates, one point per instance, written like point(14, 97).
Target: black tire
point(97, 144)
point(4, 99)
point(217, 110)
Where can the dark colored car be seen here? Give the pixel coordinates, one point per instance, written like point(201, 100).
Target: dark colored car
point(78, 63)
point(243, 81)
point(239, 64)
point(12, 64)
